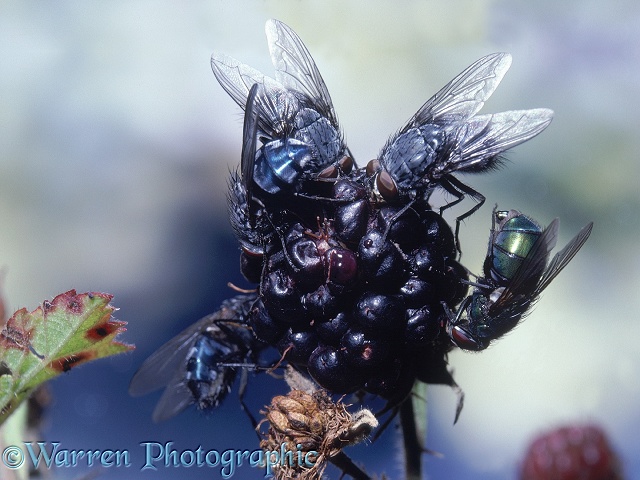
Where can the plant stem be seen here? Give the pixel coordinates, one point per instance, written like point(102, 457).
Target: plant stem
point(412, 445)
point(344, 463)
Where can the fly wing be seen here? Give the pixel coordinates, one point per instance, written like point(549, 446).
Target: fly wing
point(296, 69)
point(160, 368)
point(175, 398)
point(276, 106)
point(237, 78)
point(465, 95)
point(458, 100)
point(524, 282)
point(249, 142)
point(480, 140)
point(563, 257)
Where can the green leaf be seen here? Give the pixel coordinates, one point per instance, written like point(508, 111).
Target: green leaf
point(419, 399)
point(56, 337)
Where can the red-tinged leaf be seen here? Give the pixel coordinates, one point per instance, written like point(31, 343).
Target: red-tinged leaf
point(54, 338)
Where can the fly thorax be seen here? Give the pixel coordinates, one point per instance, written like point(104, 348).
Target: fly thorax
point(306, 117)
point(434, 138)
point(317, 132)
point(407, 159)
point(478, 309)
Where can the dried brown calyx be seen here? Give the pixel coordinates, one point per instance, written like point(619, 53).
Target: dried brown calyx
point(306, 430)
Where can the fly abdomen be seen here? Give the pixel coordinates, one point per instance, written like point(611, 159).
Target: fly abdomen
point(282, 163)
point(206, 353)
point(511, 242)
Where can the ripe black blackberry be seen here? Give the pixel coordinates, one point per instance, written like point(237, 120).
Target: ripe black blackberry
point(353, 295)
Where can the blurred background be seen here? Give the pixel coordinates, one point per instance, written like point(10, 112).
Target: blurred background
point(115, 147)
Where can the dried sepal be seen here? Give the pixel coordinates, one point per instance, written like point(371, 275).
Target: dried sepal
point(311, 426)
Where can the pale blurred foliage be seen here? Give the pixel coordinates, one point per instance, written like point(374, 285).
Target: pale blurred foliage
point(112, 126)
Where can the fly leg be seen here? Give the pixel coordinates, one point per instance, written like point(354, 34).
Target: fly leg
point(459, 190)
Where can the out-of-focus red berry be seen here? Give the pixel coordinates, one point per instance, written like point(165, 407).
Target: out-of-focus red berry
point(579, 452)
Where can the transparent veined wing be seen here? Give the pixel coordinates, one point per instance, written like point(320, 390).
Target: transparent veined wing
point(465, 95)
point(484, 137)
point(277, 105)
point(160, 368)
point(564, 256)
point(296, 69)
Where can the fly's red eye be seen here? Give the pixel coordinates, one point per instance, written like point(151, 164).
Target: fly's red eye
point(330, 172)
point(346, 164)
point(373, 167)
point(463, 339)
point(386, 186)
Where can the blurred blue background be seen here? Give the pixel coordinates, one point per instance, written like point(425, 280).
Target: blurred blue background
point(115, 147)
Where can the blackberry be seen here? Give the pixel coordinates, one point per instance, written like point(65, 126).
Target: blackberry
point(351, 290)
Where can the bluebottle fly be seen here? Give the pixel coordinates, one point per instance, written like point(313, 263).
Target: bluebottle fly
point(445, 137)
point(200, 364)
point(291, 115)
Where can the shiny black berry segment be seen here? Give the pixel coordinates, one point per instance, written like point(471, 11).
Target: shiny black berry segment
point(331, 331)
point(306, 259)
point(417, 292)
point(401, 226)
point(423, 326)
point(438, 234)
point(251, 266)
point(320, 304)
point(380, 313)
point(297, 346)
point(342, 267)
point(329, 367)
point(351, 221)
point(365, 351)
point(381, 261)
point(280, 296)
